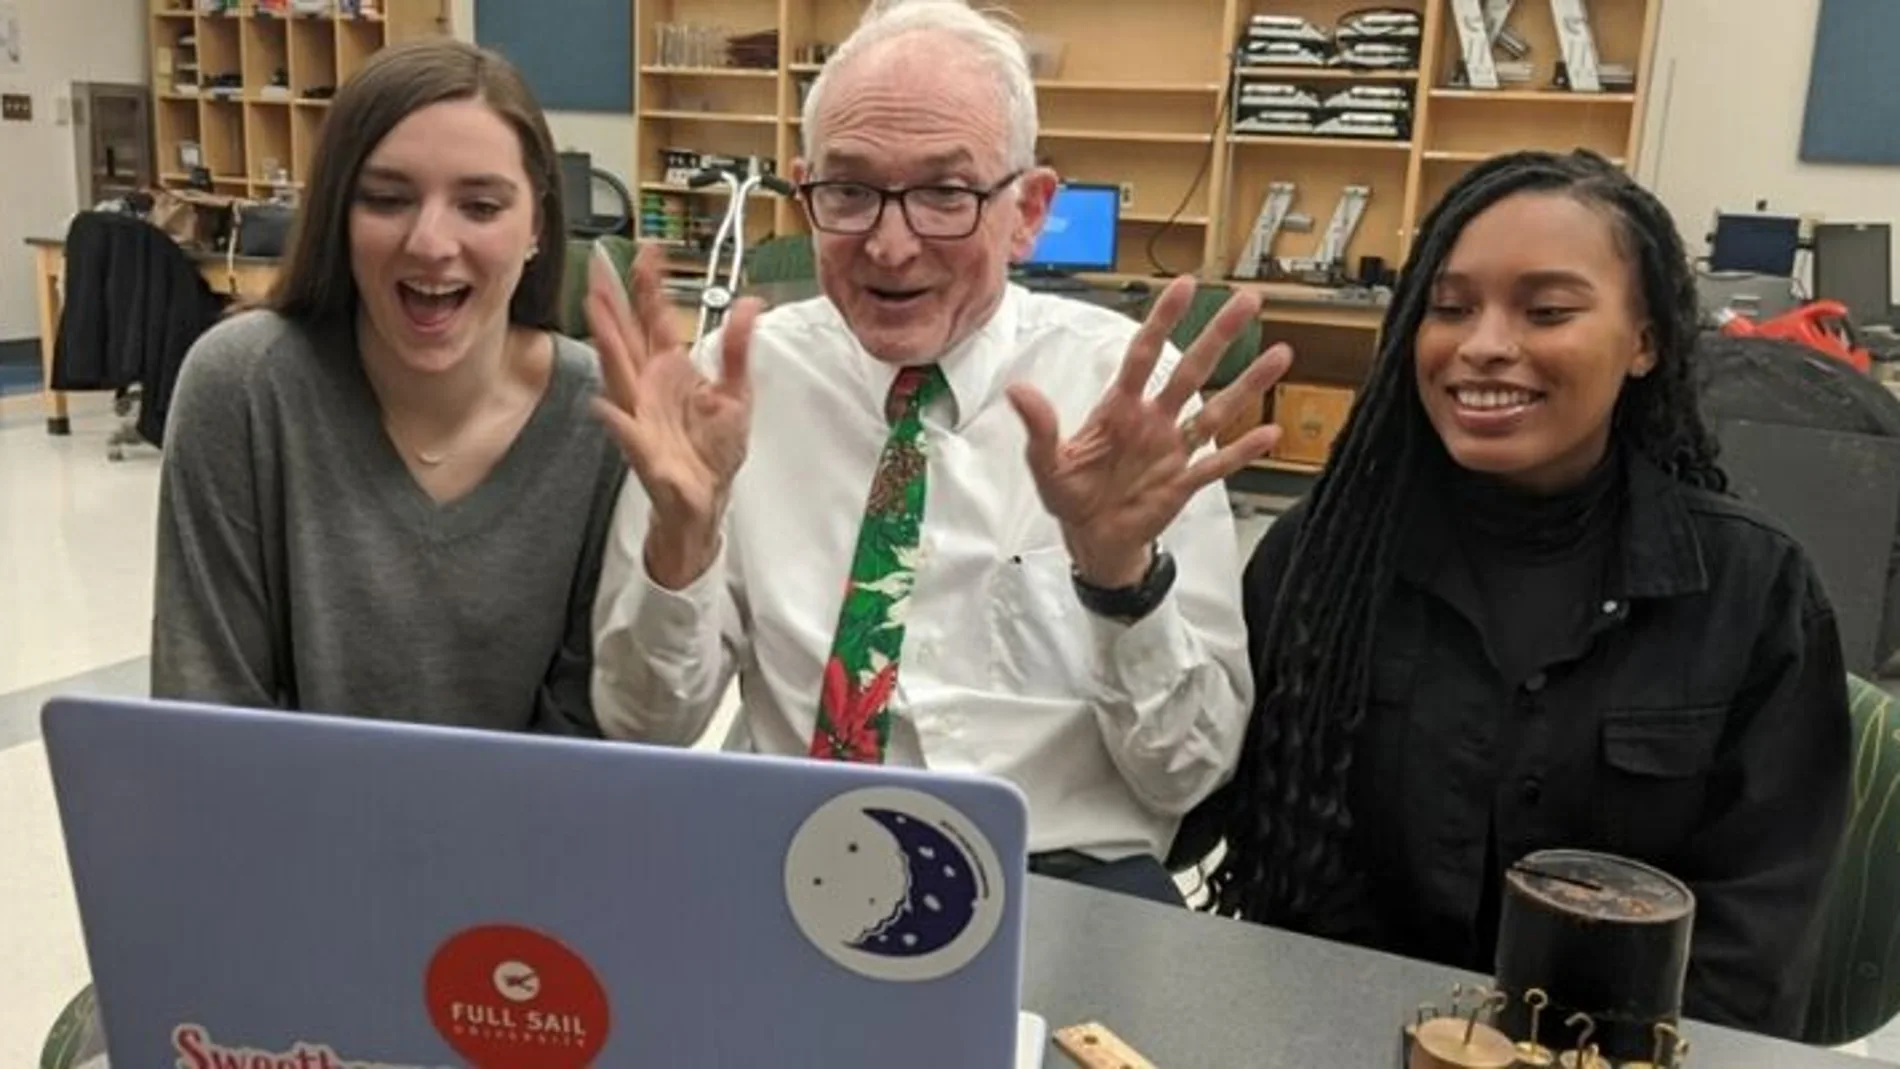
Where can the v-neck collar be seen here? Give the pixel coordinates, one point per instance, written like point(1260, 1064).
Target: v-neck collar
point(443, 522)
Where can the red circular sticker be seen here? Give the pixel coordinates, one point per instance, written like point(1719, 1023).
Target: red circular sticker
point(509, 998)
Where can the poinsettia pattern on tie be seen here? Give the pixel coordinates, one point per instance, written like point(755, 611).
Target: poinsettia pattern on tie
point(854, 714)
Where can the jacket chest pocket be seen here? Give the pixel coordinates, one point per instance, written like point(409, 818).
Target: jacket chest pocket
point(1655, 776)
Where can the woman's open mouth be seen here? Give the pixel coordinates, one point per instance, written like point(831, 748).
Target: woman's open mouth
point(431, 305)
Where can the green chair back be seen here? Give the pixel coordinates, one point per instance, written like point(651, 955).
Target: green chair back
point(1207, 302)
point(574, 279)
point(786, 259)
point(1857, 981)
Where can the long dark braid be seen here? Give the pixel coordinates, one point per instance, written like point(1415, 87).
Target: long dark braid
point(1288, 825)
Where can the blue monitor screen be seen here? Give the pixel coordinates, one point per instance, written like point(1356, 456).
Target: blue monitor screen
point(1762, 244)
point(1079, 234)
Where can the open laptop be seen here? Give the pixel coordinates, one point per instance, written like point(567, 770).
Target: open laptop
point(337, 892)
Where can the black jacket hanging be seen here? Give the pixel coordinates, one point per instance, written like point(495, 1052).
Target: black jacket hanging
point(134, 303)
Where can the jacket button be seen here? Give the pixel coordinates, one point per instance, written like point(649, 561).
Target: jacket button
point(1535, 683)
point(1531, 790)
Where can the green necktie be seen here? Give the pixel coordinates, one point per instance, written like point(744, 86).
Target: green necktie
point(854, 719)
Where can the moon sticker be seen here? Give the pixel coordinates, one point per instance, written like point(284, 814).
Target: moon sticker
point(894, 884)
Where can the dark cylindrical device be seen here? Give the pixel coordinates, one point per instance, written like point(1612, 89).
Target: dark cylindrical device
point(1602, 936)
point(1371, 270)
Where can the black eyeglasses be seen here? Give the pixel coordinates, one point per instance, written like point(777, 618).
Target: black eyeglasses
point(856, 208)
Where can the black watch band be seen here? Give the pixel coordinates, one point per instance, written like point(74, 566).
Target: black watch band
point(1129, 603)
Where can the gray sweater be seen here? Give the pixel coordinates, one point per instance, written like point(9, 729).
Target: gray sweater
point(300, 566)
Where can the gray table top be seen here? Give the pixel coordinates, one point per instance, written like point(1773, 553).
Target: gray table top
point(1189, 990)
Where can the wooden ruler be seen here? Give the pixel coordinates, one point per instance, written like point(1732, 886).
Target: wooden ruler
point(1093, 1046)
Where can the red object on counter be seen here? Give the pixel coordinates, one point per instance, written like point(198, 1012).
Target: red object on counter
point(1819, 325)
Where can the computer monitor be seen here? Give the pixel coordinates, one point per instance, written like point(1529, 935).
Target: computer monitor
point(1080, 233)
point(1761, 244)
point(577, 188)
point(1853, 264)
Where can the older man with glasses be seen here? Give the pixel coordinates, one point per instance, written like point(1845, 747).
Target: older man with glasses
point(929, 517)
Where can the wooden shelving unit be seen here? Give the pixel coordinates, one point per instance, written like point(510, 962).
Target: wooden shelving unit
point(1140, 95)
point(234, 82)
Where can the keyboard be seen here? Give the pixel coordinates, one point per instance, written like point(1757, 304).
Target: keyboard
point(1056, 284)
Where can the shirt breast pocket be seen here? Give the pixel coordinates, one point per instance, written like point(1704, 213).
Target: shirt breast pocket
point(1655, 779)
point(1039, 642)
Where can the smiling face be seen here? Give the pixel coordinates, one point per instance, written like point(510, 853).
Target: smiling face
point(920, 110)
point(1535, 324)
point(441, 224)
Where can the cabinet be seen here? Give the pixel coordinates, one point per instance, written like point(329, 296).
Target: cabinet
point(241, 87)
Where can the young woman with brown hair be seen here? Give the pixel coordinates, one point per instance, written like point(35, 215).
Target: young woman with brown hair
point(383, 495)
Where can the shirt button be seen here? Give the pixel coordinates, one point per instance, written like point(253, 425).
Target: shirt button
point(1610, 607)
point(1535, 683)
point(1531, 790)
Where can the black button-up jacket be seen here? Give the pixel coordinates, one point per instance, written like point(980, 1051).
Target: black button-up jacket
point(1703, 728)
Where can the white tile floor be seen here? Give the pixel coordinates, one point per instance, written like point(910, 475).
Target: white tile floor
point(76, 534)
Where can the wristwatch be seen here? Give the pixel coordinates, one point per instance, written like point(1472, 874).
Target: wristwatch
point(1129, 603)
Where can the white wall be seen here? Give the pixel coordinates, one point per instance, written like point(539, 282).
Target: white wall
point(608, 138)
point(1724, 127)
point(64, 41)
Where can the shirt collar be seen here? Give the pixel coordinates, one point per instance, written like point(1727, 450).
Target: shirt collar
point(973, 368)
point(1657, 554)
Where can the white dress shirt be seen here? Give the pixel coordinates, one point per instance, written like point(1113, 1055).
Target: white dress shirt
point(1112, 731)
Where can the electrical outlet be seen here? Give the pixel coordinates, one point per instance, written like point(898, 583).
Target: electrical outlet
point(1128, 194)
point(16, 107)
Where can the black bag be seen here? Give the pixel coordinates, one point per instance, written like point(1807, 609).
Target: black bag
point(263, 229)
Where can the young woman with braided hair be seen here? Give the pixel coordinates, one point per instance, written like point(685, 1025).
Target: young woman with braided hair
point(1519, 611)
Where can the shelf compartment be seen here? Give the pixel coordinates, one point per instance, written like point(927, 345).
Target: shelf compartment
point(1491, 124)
point(175, 122)
point(356, 41)
point(1617, 26)
point(306, 133)
point(1319, 174)
point(1181, 43)
point(313, 55)
point(1139, 116)
point(1325, 13)
point(674, 93)
point(1157, 183)
point(220, 54)
point(266, 59)
point(267, 132)
point(223, 141)
point(174, 53)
